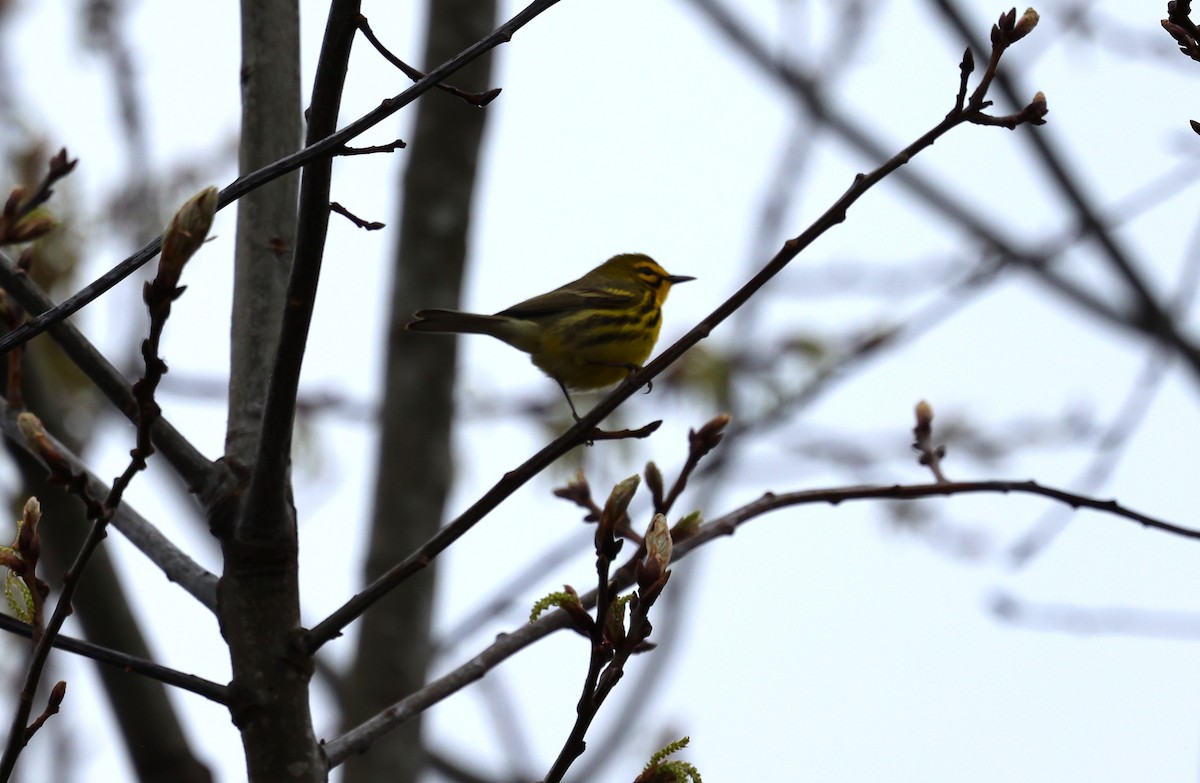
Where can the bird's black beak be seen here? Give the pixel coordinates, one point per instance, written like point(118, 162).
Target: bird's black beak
point(673, 279)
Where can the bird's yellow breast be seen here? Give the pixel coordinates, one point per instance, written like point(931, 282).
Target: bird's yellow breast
point(592, 349)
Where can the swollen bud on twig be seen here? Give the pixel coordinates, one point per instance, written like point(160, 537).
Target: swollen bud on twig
point(687, 526)
point(184, 235)
point(578, 492)
point(654, 480)
point(1037, 109)
point(1003, 28)
point(29, 544)
point(618, 501)
point(1009, 29)
point(57, 694)
point(658, 552)
point(615, 507)
point(658, 541)
point(924, 413)
point(12, 205)
point(23, 589)
point(708, 436)
point(1024, 25)
point(931, 455)
point(33, 226)
point(40, 444)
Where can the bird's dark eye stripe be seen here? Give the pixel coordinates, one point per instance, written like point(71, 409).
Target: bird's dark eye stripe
point(650, 275)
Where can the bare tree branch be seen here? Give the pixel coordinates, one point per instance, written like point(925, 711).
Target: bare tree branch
point(128, 663)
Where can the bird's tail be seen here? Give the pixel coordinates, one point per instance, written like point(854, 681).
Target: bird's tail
point(454, 321)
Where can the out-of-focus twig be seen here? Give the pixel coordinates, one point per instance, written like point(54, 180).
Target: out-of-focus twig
point(189, 682)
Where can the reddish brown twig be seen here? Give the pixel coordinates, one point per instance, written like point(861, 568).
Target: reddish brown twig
point(52, 704)
point(398, 144)
point(369, 225)
point(700, 443)
point(641, 432)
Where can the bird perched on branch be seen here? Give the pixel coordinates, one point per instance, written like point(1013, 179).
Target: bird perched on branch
point(588, 334)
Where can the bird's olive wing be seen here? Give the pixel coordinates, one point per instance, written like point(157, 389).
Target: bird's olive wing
point(570, 297)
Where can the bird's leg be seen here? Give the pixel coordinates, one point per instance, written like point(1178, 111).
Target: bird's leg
point(567, 394)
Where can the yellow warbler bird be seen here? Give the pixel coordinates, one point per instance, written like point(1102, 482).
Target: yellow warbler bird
point(586, 335)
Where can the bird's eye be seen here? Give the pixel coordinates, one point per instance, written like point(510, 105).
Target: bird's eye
point(651, 276)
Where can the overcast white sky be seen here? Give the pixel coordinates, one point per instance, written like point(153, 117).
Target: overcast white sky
point(819, 643)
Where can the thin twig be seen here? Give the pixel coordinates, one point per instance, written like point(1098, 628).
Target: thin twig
point(398, 144)
point(118, 660)
point(13, 314)
point(475, 99)
point(369, 225)
point(613, 644)
point(700, 443)
point(644, 431)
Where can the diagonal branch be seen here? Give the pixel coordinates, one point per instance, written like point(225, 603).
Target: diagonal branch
point(189, 682)
point(69, 470)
